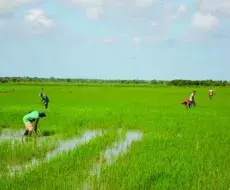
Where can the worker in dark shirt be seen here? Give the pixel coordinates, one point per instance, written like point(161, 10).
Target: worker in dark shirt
point(45, 100)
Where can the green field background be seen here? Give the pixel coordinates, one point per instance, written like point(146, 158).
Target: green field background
point(180, 149)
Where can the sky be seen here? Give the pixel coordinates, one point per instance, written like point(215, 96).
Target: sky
point(115, 39)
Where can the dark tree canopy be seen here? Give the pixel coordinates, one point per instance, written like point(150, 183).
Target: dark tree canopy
point(177, 82)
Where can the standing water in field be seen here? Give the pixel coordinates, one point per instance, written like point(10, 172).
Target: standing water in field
point(16, 136)
point(11, 135)
point(73, 143)
point(120, 148)
point(112, 154)
point(64, 146)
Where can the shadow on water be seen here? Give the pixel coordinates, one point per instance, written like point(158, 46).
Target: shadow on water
point(64, 146)
point(4, 126)
point(111, 154)
point(47, 133)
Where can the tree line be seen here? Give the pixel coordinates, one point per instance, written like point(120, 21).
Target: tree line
point(178, 82)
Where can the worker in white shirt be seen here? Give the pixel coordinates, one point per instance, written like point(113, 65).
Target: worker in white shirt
point(210, 94)
point(192, 99)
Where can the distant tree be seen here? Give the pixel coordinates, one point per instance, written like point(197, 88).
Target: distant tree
point(52, 79)
point(68, 80)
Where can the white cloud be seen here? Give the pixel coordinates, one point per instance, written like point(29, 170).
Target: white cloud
point(168, 6)
point(136, 41)
point(153, 27)
point(94, 13)
point(138, 16)
point(38, 20)
point(95, 7)
point(109, 40)
point(6, 5)
point(201, 26)
point(148, 39)
point(193, 35)
point(178, 12)
point(144, 3)
point(114, 3)
point(204, 21)
point(90, 3)
point(102, 40)
point(153, 23)
point(182, 8)
point(214, 6)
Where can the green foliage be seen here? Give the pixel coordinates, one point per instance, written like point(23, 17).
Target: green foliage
point(198, 83)
point(94, 82)
point(180, 149)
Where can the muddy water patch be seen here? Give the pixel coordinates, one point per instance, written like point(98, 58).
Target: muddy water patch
point(111, 154)
point(63, 147)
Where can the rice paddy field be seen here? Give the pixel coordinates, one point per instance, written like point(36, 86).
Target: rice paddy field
point(115, 138)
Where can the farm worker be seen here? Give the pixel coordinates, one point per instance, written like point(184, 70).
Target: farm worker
point(33, 116)
point(192, 99)
point(45, 100)
point(210, 94)
point(186, 103)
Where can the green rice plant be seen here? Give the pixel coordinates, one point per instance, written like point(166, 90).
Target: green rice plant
point(181, 148)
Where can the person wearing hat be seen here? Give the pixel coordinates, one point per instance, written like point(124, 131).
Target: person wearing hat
point(32, 116)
